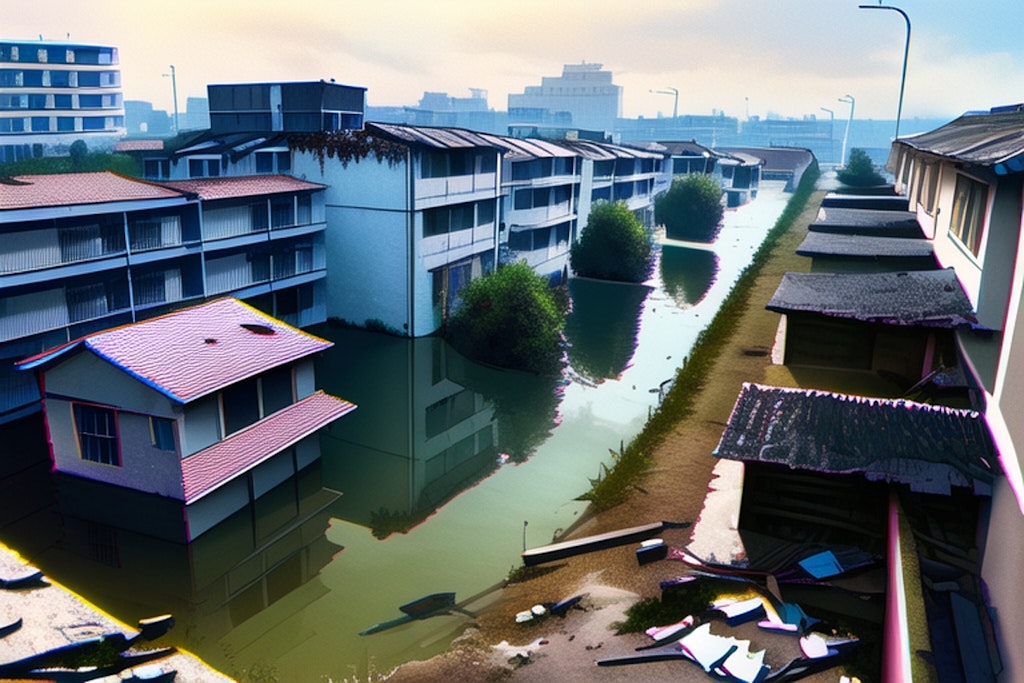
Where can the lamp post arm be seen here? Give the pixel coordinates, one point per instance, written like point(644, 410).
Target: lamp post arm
point(906, 54)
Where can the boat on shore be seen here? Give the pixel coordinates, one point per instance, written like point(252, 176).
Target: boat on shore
point(588, 544)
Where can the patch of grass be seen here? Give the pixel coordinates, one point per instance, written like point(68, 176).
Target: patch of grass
point(614, 482)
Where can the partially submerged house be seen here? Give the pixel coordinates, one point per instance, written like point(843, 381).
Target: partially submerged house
point(210, 406)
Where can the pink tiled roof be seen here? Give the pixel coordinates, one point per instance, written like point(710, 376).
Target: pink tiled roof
point(211, 467)
point(65, 189)
point(241, 186)
point(193, 352)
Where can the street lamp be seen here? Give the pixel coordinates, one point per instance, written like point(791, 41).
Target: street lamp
point(831, 131)
point(174, 93)
point(849, 99)
point(675, 104)
point(906, 52)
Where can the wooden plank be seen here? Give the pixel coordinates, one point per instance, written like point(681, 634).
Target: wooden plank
point(587, 544)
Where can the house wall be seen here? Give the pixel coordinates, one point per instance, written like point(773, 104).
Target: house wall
point(367, 238)
point(143, 466)
point(202, 427)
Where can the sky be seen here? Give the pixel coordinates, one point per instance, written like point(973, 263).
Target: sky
point(788, 58)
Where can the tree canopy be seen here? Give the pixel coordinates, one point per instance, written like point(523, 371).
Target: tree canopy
point(859, 171)
point(691, 209)
point(511, 318)
point(614, 245)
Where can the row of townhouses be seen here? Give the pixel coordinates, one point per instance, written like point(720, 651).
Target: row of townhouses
point(890, 428)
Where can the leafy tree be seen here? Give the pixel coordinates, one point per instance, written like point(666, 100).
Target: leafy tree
point(859, 171)
point(691, 209)
point(511, 318)
point(78, 152)
point(614, 245)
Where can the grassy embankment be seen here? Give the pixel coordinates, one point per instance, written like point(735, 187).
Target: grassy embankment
point(614, 482)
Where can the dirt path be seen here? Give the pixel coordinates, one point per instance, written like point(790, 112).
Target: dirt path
point(673, 490)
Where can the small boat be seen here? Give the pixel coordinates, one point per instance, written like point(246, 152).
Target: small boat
point(588, 544)
point(420, 608)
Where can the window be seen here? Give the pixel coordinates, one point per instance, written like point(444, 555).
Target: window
point(968, 217)
point(157, 169)
point(241, 405)
point(97, 434)
point(161, 430)
point(65, 123)
point(203, 168)
point(40, 123)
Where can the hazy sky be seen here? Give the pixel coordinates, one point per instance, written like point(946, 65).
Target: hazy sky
point(787, 57)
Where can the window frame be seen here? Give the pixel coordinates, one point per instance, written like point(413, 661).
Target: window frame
point(109, 443)
point(968, 216)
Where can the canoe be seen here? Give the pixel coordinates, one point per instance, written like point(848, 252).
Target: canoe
point(588, 544)
point(428, 604)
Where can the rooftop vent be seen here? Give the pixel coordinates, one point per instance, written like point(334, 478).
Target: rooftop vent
point(257, 328)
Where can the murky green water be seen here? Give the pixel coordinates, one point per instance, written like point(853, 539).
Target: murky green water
point(434, 483)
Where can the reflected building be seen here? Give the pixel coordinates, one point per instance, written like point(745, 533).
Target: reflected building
point(419, 436)
point(136, 565)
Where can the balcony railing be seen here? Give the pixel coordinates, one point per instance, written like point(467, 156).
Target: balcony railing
point(37, 249)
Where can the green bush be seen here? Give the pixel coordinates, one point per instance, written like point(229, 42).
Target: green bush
point(859, 171)
point(614, 245)
point(691, 209)
point(511, 318)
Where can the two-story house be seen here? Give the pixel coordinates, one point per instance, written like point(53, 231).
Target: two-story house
point(211, 406)
point(413, 216)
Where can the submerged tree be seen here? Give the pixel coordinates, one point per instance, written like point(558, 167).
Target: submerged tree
point(691, 209)
point(511, 318)
point(614, 245)
point(859, 171)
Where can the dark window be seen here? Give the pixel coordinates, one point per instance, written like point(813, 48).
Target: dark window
point(968, 218)
point(94, 123)
point(157, 169)
point(88, 79)
point(241, 405)
point(40, 123)
point(62, 101)
point(97, 434)
point(485, 212)
point(65, 123)
point(282, 211)
point(37, 101)
point(264, 162)
point(162, 431)
point(277, 389)
point(90, 101)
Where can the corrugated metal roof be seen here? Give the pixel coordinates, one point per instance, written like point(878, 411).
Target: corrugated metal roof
point(930, 448)
point(931, 298)
point(589, 149)
point(214, 466)
point(689, 148)
point(863, 246)
point(529, 147)
point(193, 352)
point(69, 189)
point(427, 136)
point(994, 138)
point(241, 186)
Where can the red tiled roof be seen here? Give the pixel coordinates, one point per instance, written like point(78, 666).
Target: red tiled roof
point(138, 145)
point(241, 186)
point(212, 467)
point(193, 352)
point(65, 189)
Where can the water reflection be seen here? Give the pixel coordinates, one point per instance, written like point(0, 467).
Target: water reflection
point(125, 550)
point(602, 327)
point(429, 425)
point(687, 274)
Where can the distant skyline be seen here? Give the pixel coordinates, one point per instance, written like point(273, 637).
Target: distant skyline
point(789, 58)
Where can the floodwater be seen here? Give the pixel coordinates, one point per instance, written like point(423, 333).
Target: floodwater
point(436, 483)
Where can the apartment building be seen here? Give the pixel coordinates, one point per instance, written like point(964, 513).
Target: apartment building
point(53, 93)
point(84, 252)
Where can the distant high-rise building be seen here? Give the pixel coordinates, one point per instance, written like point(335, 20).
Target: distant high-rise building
point(53, 93)
point(583, 91)
point(197, 114)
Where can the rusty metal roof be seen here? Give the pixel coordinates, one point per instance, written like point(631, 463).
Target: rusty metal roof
point(994, 138)
point(529, 147)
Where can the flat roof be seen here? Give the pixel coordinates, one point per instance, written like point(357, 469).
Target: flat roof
point(863, 246)
point(880, 222)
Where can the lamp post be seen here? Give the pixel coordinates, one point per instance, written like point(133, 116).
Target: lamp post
point(849, 99)
point(174, 94)
point(906, 53)
point(675, 103)
point(831, 131)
